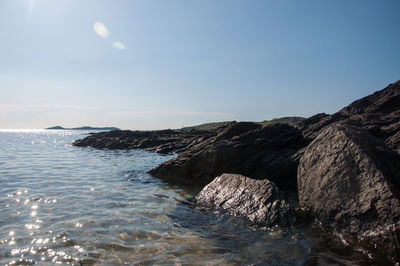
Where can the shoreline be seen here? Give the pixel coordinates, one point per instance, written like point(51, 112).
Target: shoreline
point(343, 167)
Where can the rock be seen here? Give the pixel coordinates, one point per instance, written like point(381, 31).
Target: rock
point(350, 181)
point(241, 148)
point(258, 201)
point(274, 151)
point(379, 113)
point(161, 141)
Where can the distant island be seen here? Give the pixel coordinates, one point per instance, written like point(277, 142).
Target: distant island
point(83, 128)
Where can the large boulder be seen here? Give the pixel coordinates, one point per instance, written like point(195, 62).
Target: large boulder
point(350, 181)
point(258, 201)
point(243, 148)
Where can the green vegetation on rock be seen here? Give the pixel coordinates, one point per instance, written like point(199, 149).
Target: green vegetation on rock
point(206, 126)
point(290, 120)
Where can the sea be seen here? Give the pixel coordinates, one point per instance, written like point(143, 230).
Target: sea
point(61, 204)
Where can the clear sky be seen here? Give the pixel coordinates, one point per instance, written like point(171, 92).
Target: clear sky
point(166, 64)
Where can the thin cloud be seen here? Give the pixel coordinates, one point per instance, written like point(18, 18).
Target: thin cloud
point(100, 29)
point(119, 45)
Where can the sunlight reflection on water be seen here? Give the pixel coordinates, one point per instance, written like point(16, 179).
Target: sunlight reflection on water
point(62, 204)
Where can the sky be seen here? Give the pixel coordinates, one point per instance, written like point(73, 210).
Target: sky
point(171, 63)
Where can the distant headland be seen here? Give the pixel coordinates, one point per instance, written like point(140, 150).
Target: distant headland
point(83, 128)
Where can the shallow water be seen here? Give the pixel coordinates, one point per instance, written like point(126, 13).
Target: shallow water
point(70, 205)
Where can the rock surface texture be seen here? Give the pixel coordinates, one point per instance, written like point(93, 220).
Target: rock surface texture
point(258, 201)
point(161, 141)
point(274, 151)
point(241, 148)
point(350, 181)
point(378, 113)
point(345, 167)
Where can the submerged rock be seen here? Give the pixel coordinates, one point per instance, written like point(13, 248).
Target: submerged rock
point(350, 181)
point(258, 201)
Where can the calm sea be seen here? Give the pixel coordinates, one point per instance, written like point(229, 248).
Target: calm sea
point(61, 204)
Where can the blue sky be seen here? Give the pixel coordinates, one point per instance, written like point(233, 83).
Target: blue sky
point(168, 64)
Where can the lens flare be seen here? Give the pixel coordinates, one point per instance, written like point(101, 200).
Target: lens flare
point(119, 45)
point(100, 29)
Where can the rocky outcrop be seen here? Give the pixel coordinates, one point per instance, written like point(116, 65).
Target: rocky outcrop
point(273, 151)
point(243, 148)
point(378, 113)
point(161, 141)
point(350, 181)
point(348, 177)
point(258, 201)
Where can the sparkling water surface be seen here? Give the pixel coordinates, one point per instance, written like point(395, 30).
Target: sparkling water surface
point(61, 204)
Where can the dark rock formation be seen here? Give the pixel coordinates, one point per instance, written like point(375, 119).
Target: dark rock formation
point(241, 148)
point(379, 113)
point(350, 181)
point(258, 201)
point(161, 141)
point(348, 176)
point(273, 151)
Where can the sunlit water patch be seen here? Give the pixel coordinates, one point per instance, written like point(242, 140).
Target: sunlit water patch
point(61, 204)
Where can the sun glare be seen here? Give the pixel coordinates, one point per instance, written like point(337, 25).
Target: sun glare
point(31, 6)
point(100, 29)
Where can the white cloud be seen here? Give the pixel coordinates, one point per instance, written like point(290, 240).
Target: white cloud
point(119, 45)
point(100, 29)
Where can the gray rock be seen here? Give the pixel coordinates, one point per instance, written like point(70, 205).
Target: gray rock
point(258, 201)
point(350, 181)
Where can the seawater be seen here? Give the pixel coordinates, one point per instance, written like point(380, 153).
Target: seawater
point(61, 204)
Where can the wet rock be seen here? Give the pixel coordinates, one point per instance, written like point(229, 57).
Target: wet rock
point(241, 148)
point(350, 181)
point(258, 201)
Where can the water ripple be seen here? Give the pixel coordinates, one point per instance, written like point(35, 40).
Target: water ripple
point(62, 204)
